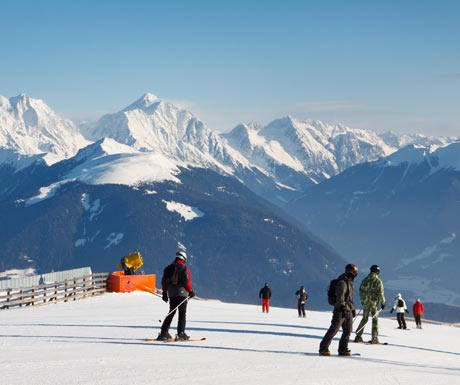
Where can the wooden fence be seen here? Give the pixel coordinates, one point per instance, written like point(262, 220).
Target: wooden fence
point(63, 291)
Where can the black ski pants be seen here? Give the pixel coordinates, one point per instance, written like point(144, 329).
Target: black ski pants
point(173, 303)
point(301, 308)
point(401, 320)
point(340, 319)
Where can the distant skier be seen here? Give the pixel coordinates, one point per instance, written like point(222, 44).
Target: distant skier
point(417, 310)
point(265, 293)
point(302, 300)
point(343, 313)
point(371, 293)
point(177, 285)
point(400, 307)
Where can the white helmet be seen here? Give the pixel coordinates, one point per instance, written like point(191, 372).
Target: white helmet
point(181, 255)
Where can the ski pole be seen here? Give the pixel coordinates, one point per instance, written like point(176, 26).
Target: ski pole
point(374, 316)
point(357, 315)
point(146, 288)
point(173, 310)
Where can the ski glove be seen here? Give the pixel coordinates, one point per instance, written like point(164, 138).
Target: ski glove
point(353, 313)
point(382, 306)
point(165, 297)
point(391, 311)
point(407, 311)
point(191, 294)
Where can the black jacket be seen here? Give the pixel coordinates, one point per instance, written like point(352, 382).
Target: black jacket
point(344, 294)
point(265, 293)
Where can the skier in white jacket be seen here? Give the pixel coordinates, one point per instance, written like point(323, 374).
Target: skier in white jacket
point(400, 307)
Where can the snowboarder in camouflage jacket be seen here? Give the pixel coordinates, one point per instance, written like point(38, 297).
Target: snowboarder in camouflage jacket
point(371, 293)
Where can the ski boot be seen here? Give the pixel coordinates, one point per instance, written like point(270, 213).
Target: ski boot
point(164, 336)
point(182, 337)
point(346, 352)
point(324, 353)
point(375, 341)
point(359, 339)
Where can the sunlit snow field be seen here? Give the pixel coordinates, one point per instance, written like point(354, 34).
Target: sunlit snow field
point(101, 341)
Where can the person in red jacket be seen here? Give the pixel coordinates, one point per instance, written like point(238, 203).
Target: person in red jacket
point(177, 289)
point(418, 309)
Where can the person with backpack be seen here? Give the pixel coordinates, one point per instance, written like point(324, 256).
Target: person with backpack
point(417, 310)
point(176, 283)
point(265, 293)
point(400, 307)
point(302, 296)
point(371, 293)
point(341, 293)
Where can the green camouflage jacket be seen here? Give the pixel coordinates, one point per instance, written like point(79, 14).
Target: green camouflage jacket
point(371, 290)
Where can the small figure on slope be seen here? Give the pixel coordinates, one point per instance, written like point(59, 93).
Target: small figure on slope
point(417, 310)
point(177, 288)
point(400, 307)
point(302, 296)
point(343, 313)
point(265, 293)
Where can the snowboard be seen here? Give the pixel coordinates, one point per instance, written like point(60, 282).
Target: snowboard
point(170, 340)
point(334, 355)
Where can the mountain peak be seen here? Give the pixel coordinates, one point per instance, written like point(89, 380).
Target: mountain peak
point(144, 103)
point(149, 98)
point(21, 99)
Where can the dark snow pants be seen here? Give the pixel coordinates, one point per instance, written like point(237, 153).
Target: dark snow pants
point(174, 302)
point(301, 308)
point(342, 320)
point(401, 320)
point(418, 320)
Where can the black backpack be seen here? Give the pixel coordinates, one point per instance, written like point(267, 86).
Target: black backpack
point(331, 299)
point(174, 275)
point(400, 303)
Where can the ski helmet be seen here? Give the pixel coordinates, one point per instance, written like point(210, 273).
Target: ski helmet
point(375, 269)
point(181, 255)
point(351, 269)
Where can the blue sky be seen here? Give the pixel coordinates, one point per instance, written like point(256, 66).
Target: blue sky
point(379, 65)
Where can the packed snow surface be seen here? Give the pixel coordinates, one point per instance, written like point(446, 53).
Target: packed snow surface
point(101, 341)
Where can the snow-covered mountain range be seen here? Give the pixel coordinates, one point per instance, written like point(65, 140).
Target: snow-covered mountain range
point(278, 161)
point(400, 212)
point(30, 128)
point(49, 165)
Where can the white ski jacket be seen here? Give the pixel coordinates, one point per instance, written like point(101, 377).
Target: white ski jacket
point(399, 309)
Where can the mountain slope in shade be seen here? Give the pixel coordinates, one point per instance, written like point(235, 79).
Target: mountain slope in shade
point(400, 212)
point(221, 222)
point(30, 127)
